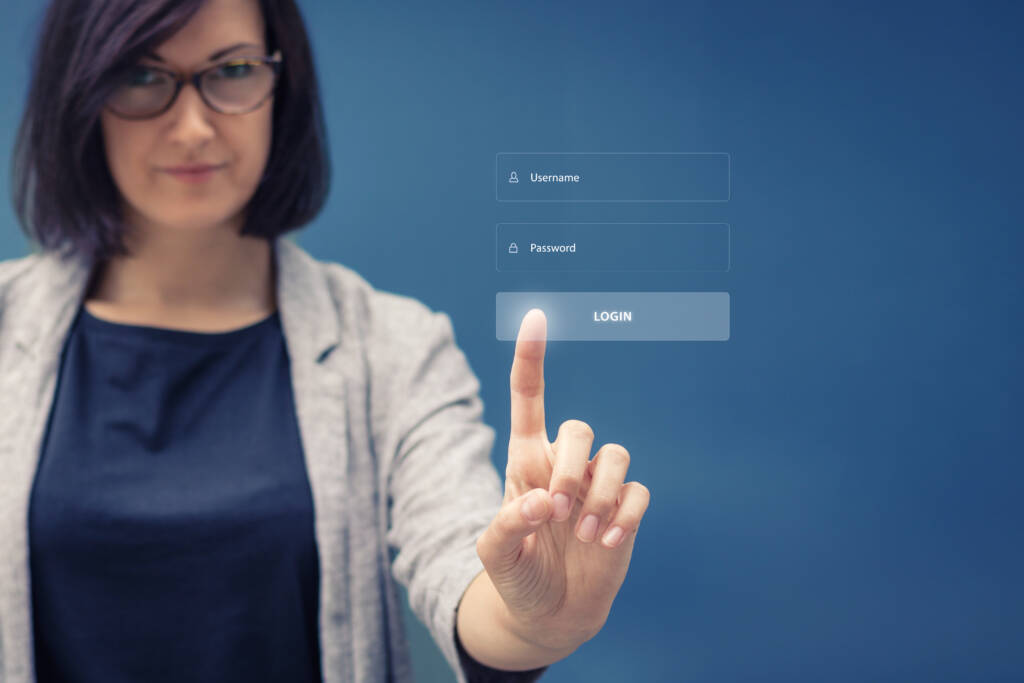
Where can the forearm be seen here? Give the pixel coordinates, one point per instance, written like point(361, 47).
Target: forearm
point(484, 627)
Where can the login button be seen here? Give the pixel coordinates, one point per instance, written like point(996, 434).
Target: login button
point(618, 316)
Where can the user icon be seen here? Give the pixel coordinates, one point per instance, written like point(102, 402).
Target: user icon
point(513, 178)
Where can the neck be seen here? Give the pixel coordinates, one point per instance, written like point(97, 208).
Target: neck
point(181, 270)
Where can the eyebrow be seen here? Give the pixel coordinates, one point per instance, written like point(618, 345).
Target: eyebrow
point(215, 55)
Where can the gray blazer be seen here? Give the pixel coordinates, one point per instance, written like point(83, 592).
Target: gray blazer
point(390, 419)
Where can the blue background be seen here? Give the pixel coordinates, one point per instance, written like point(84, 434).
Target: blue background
point(836, 490)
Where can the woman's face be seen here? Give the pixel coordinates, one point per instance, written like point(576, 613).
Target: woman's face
point(189, 132)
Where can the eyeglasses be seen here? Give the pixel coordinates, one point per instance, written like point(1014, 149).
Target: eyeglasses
point(233, 86)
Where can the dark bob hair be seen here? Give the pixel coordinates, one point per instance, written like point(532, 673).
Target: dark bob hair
point(64, 194)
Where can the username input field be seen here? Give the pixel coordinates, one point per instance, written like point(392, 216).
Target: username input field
point(612, 246)
point(612, 177)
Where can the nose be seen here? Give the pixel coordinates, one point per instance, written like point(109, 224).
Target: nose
point(191, 127)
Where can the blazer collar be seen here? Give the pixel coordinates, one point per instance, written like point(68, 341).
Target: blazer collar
point(44, 302)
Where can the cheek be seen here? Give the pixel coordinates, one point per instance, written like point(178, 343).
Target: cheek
point(253, 148)
point(123, 146)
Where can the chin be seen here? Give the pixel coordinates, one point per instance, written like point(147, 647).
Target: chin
point(194, 223)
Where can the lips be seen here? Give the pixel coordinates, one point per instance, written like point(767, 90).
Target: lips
point(193, 168)
point(193, 174)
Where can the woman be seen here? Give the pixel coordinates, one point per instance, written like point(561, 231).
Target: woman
point(210, 441)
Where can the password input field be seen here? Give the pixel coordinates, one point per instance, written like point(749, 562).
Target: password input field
point(612, 246)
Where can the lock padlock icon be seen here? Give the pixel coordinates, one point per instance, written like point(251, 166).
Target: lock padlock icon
point(513, 248)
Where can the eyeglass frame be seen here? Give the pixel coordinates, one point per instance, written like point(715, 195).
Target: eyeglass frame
point(194, 77)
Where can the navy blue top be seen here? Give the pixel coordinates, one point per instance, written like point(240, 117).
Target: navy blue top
point(171, 517)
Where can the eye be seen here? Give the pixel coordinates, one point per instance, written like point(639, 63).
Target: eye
point(234, 70)
point(140, 76)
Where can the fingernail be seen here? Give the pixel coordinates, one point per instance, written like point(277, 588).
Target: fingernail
point(532, 508)
point(612, 536)
point(588, 529)
point(561, 507)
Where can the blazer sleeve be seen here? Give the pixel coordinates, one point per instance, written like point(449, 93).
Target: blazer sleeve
point(443, 488)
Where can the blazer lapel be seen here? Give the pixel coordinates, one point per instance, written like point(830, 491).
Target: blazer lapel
point(37, 313)
point(312, 325)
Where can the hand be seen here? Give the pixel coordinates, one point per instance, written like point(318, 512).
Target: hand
point(550, 561)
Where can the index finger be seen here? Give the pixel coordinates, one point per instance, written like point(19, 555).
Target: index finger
point(527, 378)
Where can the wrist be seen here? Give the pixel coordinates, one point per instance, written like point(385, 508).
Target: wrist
point(559, 641)
point(493, 636)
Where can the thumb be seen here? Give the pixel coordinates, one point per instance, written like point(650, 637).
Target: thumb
point(501, 544)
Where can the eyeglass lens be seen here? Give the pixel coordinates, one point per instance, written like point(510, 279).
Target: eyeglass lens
point(236, 86)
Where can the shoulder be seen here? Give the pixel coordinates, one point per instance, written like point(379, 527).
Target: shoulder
point(408, 349)
point(14, 273)
point(382, 317)
point(11, 270)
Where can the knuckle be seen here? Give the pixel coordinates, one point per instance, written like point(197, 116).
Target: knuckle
point(566, 483)
point(639, 499)
point(647, 493)
point(615, 453)
point(498, 528)
point(526, 385)
point(601, 502)
point(484, 549)
point(577, 428)
point(481, 545)
point(501, 524)
point(641, 490)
